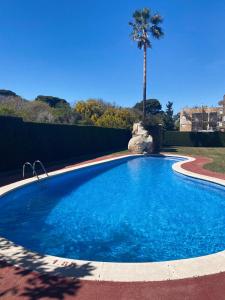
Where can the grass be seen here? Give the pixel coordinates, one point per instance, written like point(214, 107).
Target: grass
point(217, 154)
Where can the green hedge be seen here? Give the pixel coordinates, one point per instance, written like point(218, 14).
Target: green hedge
point(25, 141)
point(156, 133)
point(194, 139)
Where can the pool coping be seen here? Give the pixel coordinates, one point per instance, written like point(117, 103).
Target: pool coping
point(108, 271)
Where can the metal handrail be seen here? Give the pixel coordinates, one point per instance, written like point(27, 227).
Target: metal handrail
point(33, 170)
point(41, 164)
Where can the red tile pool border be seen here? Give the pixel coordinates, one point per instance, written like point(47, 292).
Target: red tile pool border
point(197, 166)
point(20, 284)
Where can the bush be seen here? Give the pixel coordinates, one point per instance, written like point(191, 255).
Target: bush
point(117, 118)
point(25, 141)
point(156, 133)
point(194, 139)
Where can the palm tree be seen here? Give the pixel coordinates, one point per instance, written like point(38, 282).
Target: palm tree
point(143, 26)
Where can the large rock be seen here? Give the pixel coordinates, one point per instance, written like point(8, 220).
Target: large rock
point(141, 141)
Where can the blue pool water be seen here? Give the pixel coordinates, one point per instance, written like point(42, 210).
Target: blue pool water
point(131, 210)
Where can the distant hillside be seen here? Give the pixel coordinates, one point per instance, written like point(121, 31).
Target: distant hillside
point(96, 112)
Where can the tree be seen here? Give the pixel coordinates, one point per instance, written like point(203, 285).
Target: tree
point(176, 119)
point(9, 101)
point(36, 111)
point(91, 110)
point(115, 117)
point(168, 116)
point(143, 26)
point(7, 93)
point(152, 106)
point(54, 102)
point(154, 113)
point(66, 115)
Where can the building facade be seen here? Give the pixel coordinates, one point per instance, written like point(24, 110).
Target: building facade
point(203, 118)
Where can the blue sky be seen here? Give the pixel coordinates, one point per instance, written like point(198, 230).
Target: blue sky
point(78, 49)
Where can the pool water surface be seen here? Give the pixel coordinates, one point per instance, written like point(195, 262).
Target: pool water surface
point(135, 209)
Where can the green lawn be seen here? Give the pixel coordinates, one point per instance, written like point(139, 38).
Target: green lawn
point(217, 154)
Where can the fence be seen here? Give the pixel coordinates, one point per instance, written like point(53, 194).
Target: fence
point(194, 139)
point(25, 141)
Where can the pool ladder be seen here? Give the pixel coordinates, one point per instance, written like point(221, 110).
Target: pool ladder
point(33, 168)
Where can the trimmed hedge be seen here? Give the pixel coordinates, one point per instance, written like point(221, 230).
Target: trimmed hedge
point(156, 133)
point(25, 141)
point(194, 139)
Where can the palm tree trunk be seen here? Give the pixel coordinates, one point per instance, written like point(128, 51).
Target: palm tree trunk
point(144, 83)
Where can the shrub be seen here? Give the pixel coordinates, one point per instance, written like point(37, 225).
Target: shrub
point(26, 141)
point(194, 139)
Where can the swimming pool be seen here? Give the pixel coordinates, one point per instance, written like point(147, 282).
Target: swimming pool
point(134, 209)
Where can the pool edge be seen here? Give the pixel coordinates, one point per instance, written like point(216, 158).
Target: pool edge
point(120, 272)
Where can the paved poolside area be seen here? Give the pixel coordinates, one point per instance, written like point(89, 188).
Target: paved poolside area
point(18, 283)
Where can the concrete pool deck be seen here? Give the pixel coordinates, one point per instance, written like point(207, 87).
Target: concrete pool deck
point(151, 281)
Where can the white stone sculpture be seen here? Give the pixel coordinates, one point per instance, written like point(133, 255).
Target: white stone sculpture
point(141, 141)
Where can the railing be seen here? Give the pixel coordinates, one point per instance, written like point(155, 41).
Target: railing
point(42, 166)
point(33, 168)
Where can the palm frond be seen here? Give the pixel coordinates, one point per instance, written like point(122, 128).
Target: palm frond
point(156, 19)
point(157, 32)
point(145, 24)
point(146, 13)
point(137, 17)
